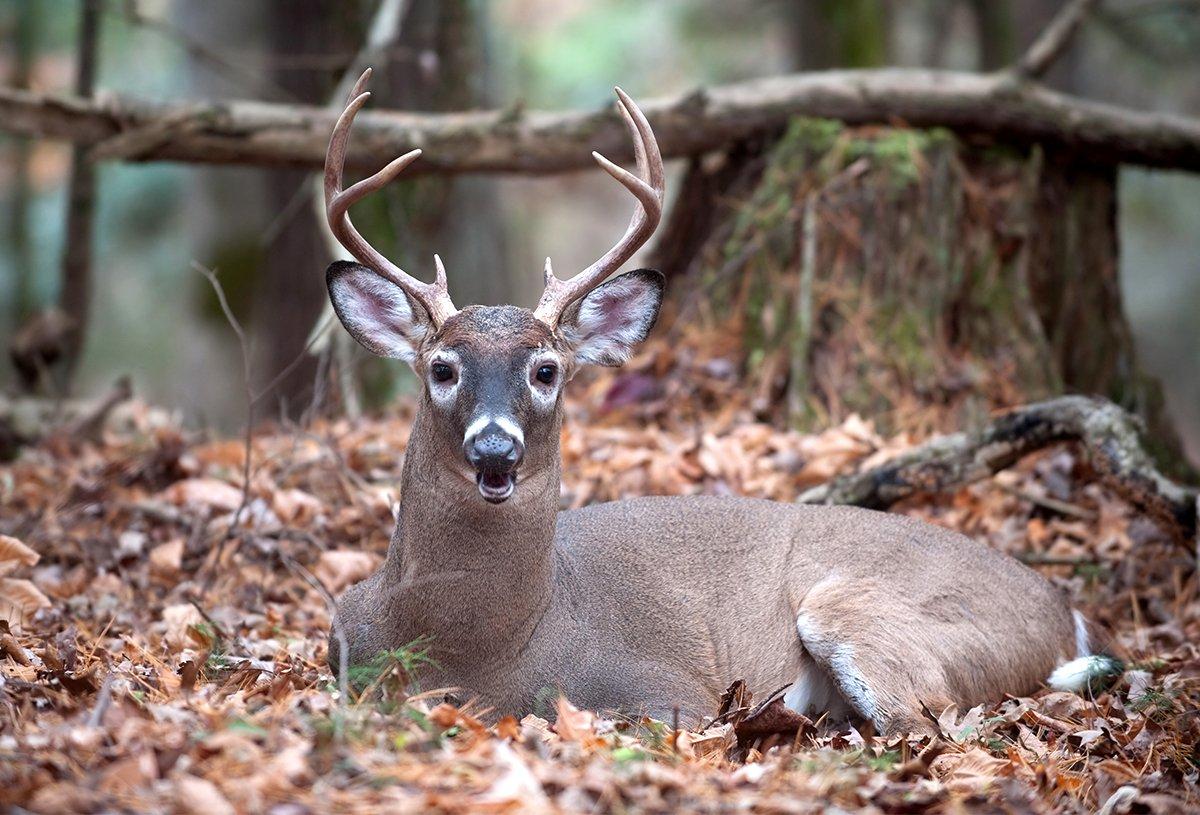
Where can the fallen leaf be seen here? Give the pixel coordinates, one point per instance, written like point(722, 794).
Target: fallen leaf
point(338, 569)
point(199, 796)
point(13, 553)
point(178, 619)
point(166, 560)
point(19, 600)
point(203, 494)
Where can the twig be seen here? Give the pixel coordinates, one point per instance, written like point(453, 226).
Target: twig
point(291, 366)
point(88, 424)
point(259, 80)
point(1061, 507)
point(248, 443)
point(1054, 40)
point(335, 624)
point(103, 700)
point(1037, 559)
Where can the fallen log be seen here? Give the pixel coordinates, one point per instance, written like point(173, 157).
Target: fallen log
point(1004, 107)
point(1108, 435)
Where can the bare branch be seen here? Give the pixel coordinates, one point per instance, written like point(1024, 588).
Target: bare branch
point(335, 624)
point(532, 142)
point(248, 439)
point(1108, 434)
point(1053, 42)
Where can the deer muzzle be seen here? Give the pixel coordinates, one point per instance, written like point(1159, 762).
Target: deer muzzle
point(495, 454)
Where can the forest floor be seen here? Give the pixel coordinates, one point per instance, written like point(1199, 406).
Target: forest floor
point(166, 651)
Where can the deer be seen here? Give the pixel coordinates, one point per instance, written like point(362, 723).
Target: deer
point(654, 605)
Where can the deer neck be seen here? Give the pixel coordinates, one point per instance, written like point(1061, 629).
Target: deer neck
point(467, 573)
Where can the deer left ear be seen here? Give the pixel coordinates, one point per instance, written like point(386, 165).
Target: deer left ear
point(604, 327)
point(376, 311)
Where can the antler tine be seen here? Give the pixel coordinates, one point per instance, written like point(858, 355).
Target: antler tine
point(433, 297)
point(648, 187)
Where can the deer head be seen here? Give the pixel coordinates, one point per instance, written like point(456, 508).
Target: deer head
point(492, 376)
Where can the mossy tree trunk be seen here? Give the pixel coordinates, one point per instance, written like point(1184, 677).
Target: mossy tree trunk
point(909, 277)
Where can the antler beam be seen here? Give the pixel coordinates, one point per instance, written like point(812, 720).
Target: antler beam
point(433, 297)
point(648, 187)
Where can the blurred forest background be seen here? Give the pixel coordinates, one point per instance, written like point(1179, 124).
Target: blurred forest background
point(154, 316)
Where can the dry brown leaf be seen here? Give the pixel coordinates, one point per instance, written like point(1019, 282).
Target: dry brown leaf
point(971, 772)
point(338, 569)
point(178, 619)
point(19, 600)
point(13, 554)
point(712, 742)
point(166, 560)
point(199, 796)
point(295, 507)
point(203, 494)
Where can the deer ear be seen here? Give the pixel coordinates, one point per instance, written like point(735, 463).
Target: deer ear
point(376, 311)
point(604, 326)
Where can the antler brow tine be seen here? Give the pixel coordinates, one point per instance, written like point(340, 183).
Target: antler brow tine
point(647, 186)
point(433, 297)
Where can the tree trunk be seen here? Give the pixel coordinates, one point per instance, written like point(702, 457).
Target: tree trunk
point(75, 281)
point(290, 289)
point(442, 65)
point(908, 276)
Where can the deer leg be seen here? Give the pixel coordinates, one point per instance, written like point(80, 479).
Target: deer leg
point(869, 649)
point(357, 626)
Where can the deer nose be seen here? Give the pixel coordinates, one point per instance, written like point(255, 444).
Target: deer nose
point(493, 450)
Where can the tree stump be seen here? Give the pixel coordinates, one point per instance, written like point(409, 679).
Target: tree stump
point(907, 275)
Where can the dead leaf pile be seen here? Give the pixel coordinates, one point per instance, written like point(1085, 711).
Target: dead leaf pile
point(165, 641)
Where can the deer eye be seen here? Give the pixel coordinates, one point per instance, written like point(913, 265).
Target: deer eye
point(441, 372)
point(545, 374)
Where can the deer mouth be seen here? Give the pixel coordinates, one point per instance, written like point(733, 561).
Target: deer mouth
point(496, 487)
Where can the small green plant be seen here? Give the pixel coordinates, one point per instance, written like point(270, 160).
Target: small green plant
point(627, 755)
point(393, 672)
point(1154, 703)
point(883, 762)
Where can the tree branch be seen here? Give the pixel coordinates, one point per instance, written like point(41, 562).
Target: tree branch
point(1053, 42)
point(516, 141)
point(1107, 433)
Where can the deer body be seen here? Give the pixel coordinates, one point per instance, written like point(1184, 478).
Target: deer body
point(653, 604)
point(659, 603)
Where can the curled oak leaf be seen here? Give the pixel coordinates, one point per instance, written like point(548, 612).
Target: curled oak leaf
point(19, 600)
point(771, 718)
point(13, 553)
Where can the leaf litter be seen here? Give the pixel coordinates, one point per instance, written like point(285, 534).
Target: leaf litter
point(145, 667)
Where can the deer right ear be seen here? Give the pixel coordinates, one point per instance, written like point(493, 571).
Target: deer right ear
point(376, 312)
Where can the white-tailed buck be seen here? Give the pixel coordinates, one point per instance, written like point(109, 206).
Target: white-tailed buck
point(653, 604)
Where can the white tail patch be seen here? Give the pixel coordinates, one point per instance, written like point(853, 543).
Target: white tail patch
point(1077, 675)
point(813, 693)
point(1082, 647)
point(816, 690)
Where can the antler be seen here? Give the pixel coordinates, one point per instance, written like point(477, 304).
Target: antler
point(435, 296)
point(647, 186)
